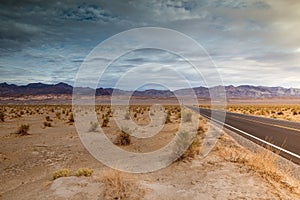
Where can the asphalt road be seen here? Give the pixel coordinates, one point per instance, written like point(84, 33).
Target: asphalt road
point(283, 136)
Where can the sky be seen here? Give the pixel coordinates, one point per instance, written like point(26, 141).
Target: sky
point(250, 42)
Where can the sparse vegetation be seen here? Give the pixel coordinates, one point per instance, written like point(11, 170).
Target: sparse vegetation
point(1, 116)
point(58, 115)
point(71, 118)
point(168, 117)
point(179, 115)
point(23, 130)
point(53, 148)
point(84, 172)
point(118, 185)
point(192, 146)
point(124, 138)
point(48, 119)
point(264, 162)
point(105, 121)
point(61, 173)
point(47, 124)
point(285, 112)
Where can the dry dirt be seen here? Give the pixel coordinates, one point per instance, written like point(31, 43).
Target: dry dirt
point(28, 162)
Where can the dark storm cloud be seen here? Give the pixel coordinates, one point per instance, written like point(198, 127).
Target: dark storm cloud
point(33, 23)
point(89, 12)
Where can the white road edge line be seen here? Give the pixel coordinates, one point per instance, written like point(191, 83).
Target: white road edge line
point(261, 140)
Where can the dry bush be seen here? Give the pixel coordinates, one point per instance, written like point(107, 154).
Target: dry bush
point(61, 173)
point(1, 116)
point(201, 128)
point(193, 150)
point(179, 115)
point(58, 115)
point(124, 138)
point(183, 141)
point(48, 119)
point(71, 118)
point(120, 186)
point(168, 118)
point(105, 121)
point(264, 162)
point(233, 154)
point(47, 124)
point(23, 130)
point(84, 172)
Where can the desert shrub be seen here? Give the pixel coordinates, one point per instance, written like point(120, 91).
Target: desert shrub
point(280, 113)
point(93, 127)
point(61, 173)
point(193, 150)
point(71, 118)
point(105, 121)
point(187, 117)
point(135, 115)
point(1, 116)
point(184, 141)
point(84, 172)
point(23, 129)
point(179, 115)
point(201, 129)
point(168, 117)
point(48, 119)
point(120, 186)
point(265, 162)
point(233, 155)
point(47, 124)
point(124, 138)
point(58, 115)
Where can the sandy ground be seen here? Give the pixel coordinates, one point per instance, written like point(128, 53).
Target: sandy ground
point(28, 162)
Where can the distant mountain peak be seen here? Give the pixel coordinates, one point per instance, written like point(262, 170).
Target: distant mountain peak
point(242, 91)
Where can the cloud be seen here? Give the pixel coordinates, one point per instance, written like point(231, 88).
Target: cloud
point(247, 39)
point(88, 12)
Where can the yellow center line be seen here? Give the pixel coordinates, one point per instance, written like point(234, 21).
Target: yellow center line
point(279, 126)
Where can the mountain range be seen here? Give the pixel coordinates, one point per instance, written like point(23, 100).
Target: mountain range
point(242, 91)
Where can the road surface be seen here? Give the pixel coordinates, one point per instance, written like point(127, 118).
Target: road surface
point(283, 136)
